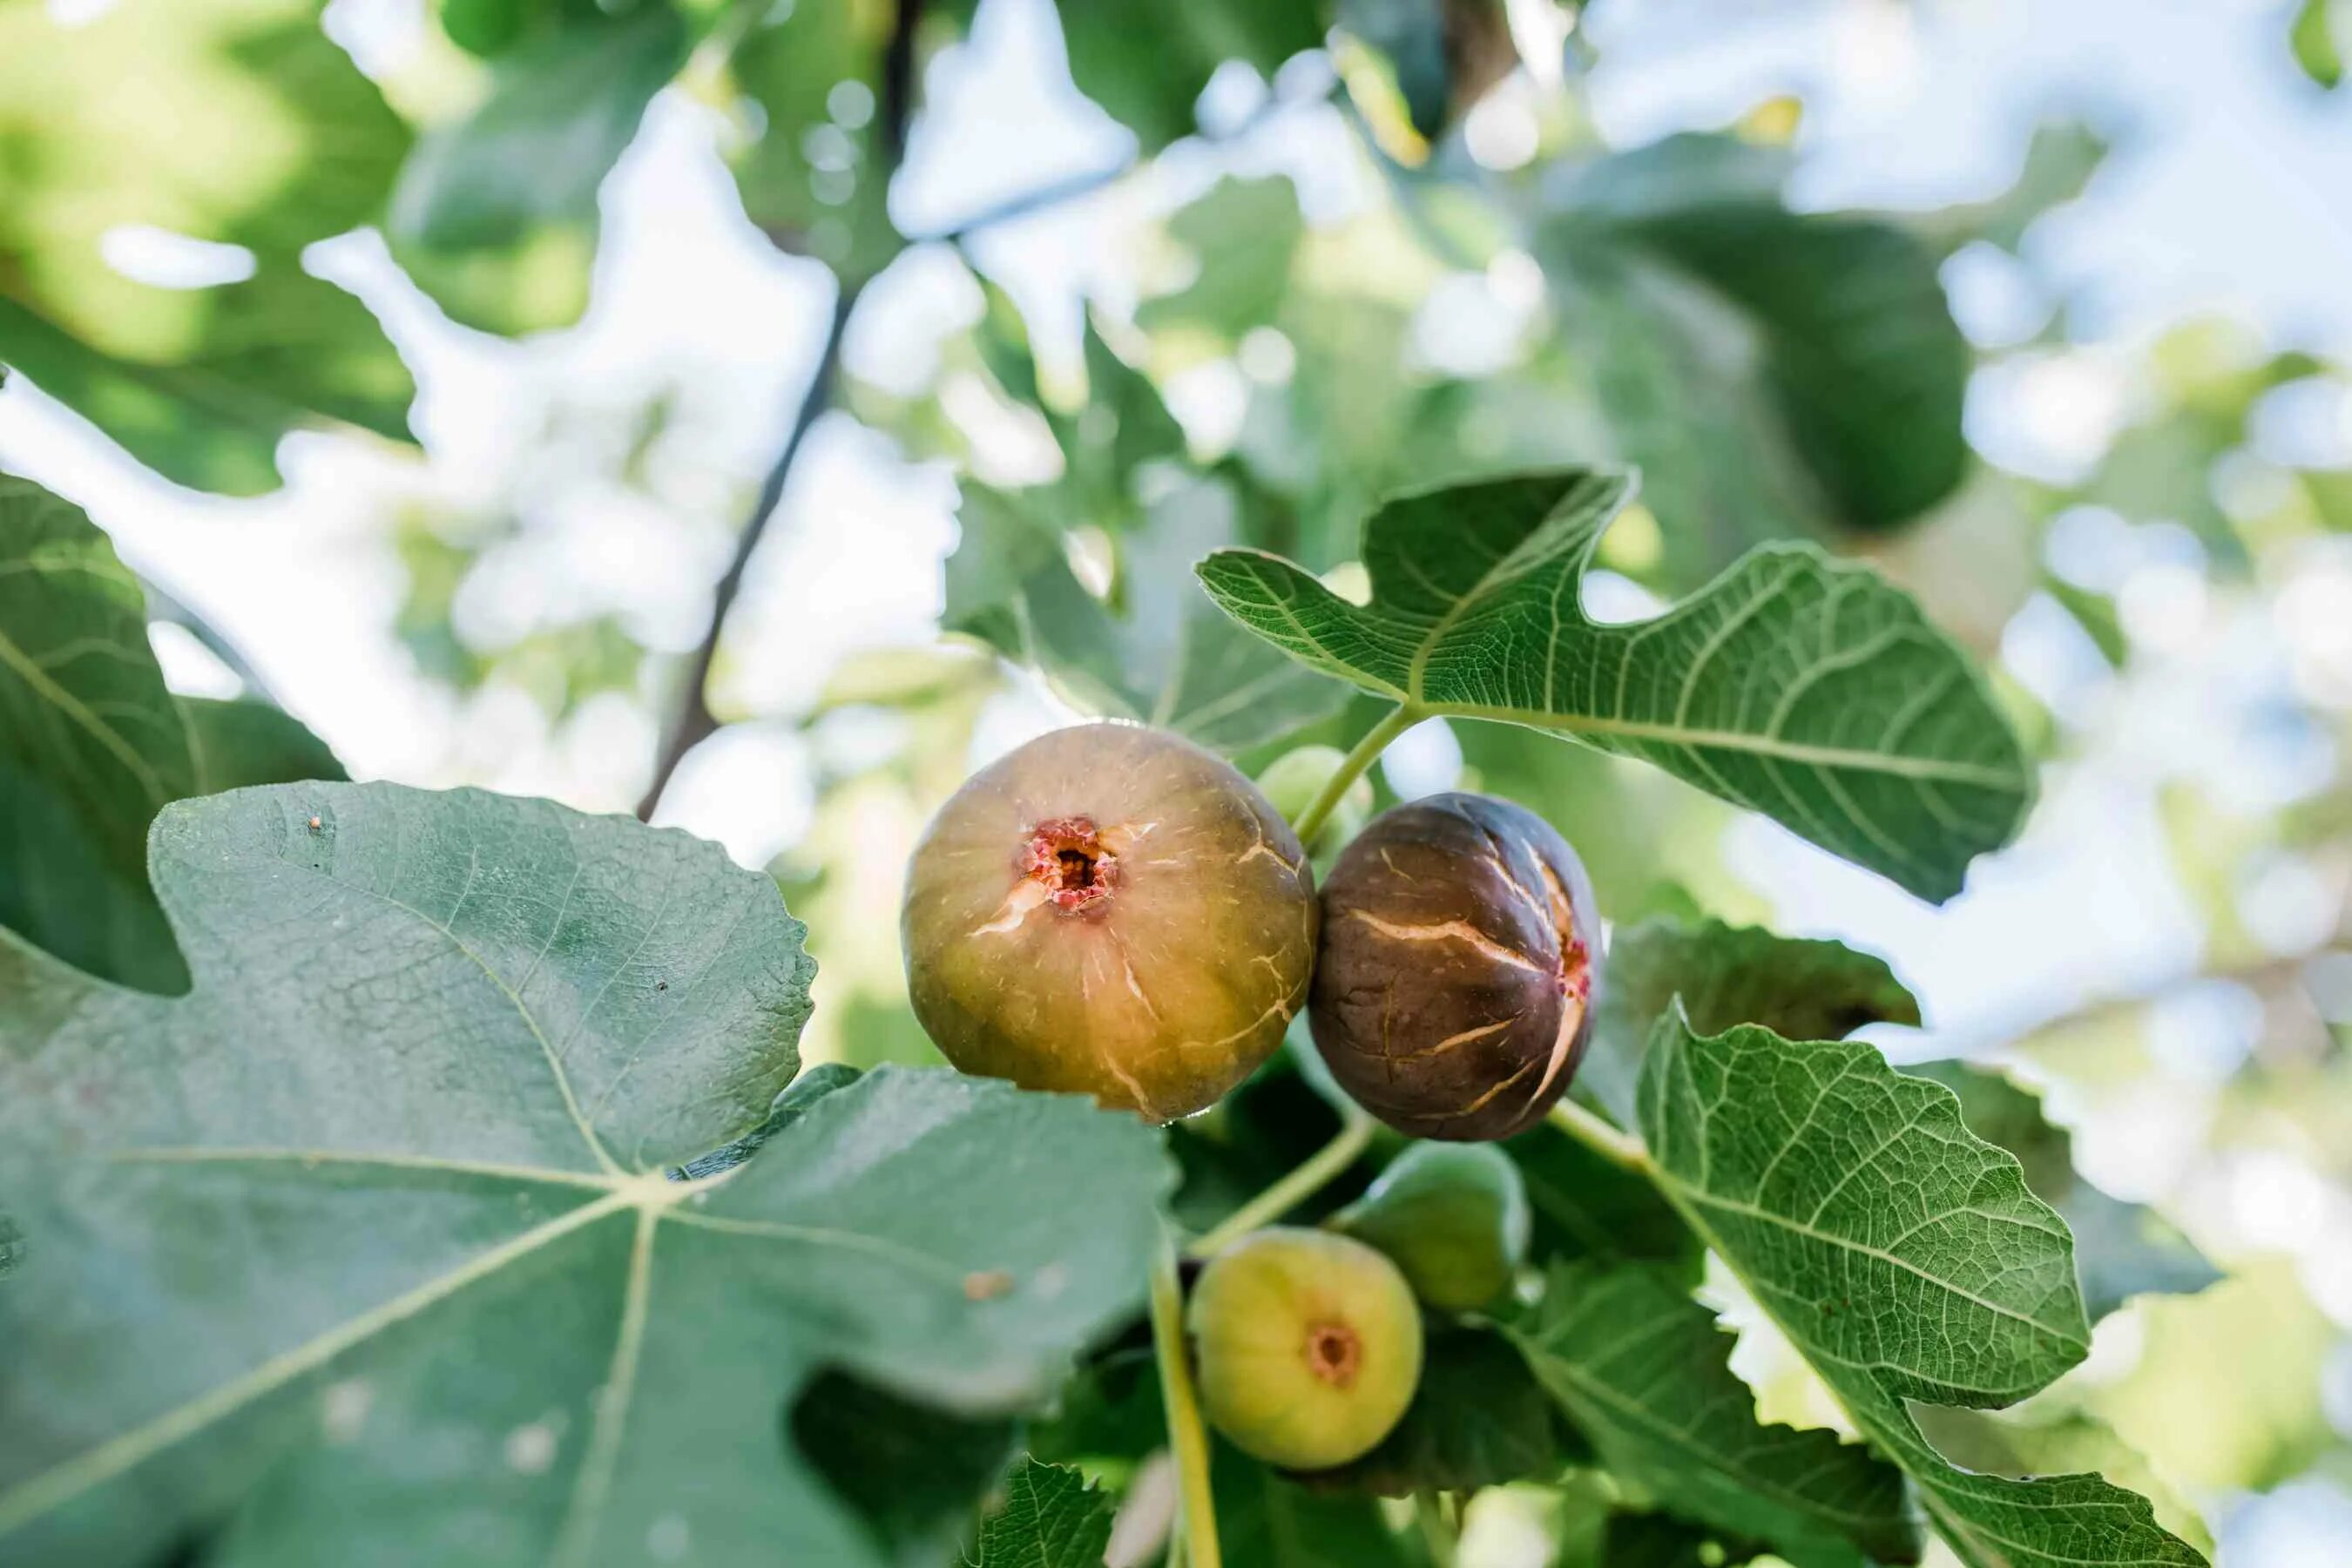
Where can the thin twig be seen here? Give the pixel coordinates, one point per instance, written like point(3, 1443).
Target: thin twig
point(1314, 1174)
point(695, 722)
point(1042, 199)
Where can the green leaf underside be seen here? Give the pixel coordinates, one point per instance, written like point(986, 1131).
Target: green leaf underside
point(1802, 989)
point(2121, 1249)
point(1050, 1518)
point(1794, 685)
point(235, 121)
point(362, 1247)
point(1645, 1373)
point(1901, 1255)
point(91, 745)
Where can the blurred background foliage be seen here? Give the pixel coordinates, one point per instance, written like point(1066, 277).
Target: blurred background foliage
point(942, 338)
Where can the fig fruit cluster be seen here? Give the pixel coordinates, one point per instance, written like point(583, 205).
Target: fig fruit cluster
point(1111, 911)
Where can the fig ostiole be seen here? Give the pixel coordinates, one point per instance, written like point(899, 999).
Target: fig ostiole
point(1110, 910)
point(1453, 1217)
point(1308, 1346)
point(1454, 995)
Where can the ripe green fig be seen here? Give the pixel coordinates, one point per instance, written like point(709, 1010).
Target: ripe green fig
point(1453, 993)
point(1309, 1346)
point(1293, 779)
point(1453, 1217)
point(1110, 910)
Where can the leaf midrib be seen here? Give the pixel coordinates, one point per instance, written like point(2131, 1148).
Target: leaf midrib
point(652, 1194)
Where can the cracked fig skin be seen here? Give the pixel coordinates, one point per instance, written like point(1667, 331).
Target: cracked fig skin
point(1454, 993)
point(1110, 910)
point(1309, 1346)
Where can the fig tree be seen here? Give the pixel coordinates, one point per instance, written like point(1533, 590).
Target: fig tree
point(1309, 1346)
point(1454, 1218)
point(1453, 993)
point(1110, 910)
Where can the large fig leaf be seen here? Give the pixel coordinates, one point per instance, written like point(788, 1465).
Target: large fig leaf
point(92, 745)
point(2121, 1249)
point(1838, 321)
point(1726, 975)
point(1804, 688)
point(362, 1251)
point(1901, 1255)
point(236, 123)
point(1645, 1373)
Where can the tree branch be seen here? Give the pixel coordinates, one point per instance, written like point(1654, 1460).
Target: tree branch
point(695, 723)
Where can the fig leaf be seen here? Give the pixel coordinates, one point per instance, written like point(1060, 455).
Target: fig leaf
point(2121, 1249)
point(363, 1251)
point(91, 745)
point(199, 383)
point(1645, 1372)
point(1801, 687)
point(1901, 1255)
point(1801, 988)
point(1052, 1518)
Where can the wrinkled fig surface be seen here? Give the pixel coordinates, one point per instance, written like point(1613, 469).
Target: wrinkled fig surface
point(1309, 1346)
point(1461, 945)
point(1110, 910)
point(1453, 1217)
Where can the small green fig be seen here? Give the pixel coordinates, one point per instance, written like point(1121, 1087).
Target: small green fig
point(1293, 779)
point(1453, 993)
point(1309, 1346)
point(1110, 910)
point(1453, 1217)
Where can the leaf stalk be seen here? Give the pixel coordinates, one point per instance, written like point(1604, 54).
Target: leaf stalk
point(1620, 1149)
point(1311, 1176)
point(1187, 1437)
point(1351, 768)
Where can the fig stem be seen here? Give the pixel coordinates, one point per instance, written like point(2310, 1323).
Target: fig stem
point(1310, 1177)
point(1352, 767)
point(1618, 1148)
point(1196, 1520)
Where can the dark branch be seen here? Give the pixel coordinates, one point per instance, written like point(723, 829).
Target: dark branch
point(695, 722)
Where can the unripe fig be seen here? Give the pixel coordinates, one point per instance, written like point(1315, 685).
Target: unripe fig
point(1295, 778)
point(1309, 1346)
point(1454, 995)
point(1110, 910)
point(1452, 1217)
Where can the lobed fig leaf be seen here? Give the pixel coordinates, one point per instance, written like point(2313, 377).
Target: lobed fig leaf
point(1453, 995)
point(1309, 1346)
point(1110, 910)
point(364, 1250)
point(1806, 688)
